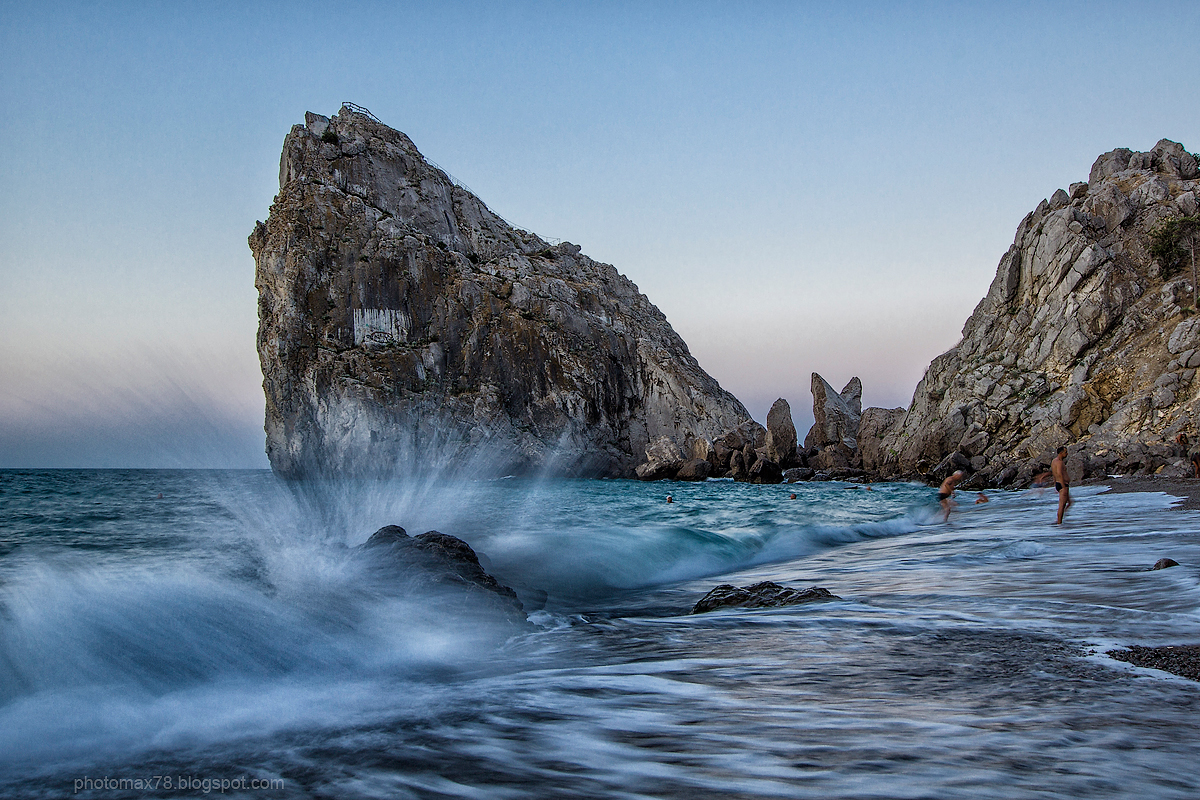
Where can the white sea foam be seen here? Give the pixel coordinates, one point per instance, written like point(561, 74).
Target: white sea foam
point(233, 624)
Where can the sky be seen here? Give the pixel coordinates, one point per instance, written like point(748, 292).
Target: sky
point(799, 187)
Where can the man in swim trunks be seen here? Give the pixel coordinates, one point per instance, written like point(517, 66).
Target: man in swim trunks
point(946, 491)
point(1062, 482)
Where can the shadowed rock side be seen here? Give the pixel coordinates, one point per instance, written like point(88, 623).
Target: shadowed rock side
point(1085, 338)
point(403, 325)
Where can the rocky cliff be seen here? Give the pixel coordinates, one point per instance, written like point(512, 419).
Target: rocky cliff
point(1086, 337)
point(403, 325)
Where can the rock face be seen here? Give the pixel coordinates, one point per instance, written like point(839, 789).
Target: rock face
point(403, 325)
point(1084, 339)
point(873, 424)
point(767, 594)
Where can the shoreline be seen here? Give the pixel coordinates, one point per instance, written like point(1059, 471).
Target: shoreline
point(1182, 660)
point(1186, 488)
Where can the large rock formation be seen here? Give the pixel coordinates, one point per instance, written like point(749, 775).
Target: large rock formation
point(1084, 338)
point(403, 325)
point(781, 433)
point(833, 438)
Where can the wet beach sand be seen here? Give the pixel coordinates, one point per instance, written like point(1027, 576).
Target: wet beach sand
point(1187, 488)
point(1182, 660)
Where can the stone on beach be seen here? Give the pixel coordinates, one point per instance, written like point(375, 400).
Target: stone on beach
point(766, 594)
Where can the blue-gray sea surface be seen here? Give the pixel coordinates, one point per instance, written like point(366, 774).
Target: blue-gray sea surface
point(227, 632)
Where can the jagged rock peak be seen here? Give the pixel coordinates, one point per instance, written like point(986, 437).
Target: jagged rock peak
point(403, 325)
point(836, 414)
point(1086, 337)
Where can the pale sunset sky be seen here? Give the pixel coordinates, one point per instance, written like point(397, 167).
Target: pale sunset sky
point(798, 186)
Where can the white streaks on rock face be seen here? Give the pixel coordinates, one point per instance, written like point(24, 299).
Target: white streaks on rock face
point(404, 326)
point(381, 326)
point(1081, 339)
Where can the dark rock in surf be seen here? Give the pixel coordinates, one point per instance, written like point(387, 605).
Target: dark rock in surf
point(445, 558)
point(737, 465)
point(664, 457)
point(798, 474)
point(767, 594)
point(657, 471)
point(697, 469)
point(765, 470)
point(1163, 563)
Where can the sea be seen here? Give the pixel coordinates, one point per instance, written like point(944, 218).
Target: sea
point(217, 633)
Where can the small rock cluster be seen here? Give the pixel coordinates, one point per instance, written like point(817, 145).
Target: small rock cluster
point(755, 454)
point(748, 453)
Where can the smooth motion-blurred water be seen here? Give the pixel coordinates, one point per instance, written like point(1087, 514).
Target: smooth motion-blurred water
point(228, 632)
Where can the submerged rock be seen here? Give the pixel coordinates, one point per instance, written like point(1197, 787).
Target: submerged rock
point(696, 469)
point(765, 470)
point(767, 594)
point(404, 326)
point(1163, 563)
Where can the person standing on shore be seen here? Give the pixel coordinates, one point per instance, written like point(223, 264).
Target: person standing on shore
point(946, 491)
point(1062, 482)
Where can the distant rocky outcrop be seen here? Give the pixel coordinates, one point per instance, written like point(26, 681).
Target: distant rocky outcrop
point(1087, 337)
point(833, 438)
point(748, 453)
point(766, 594)
point(403, 326)
point(781, 433)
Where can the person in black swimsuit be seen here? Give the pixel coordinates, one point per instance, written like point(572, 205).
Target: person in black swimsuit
point(1062, 482)
point(946, 491)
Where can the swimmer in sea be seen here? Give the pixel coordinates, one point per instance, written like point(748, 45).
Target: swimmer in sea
point(670, 499)
point(1062, 482)
point(982, 498)
point(946, 491)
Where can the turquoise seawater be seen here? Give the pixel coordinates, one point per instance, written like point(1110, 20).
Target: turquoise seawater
point(226, 631)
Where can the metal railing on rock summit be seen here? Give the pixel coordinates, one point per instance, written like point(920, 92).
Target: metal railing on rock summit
point(361, 110)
